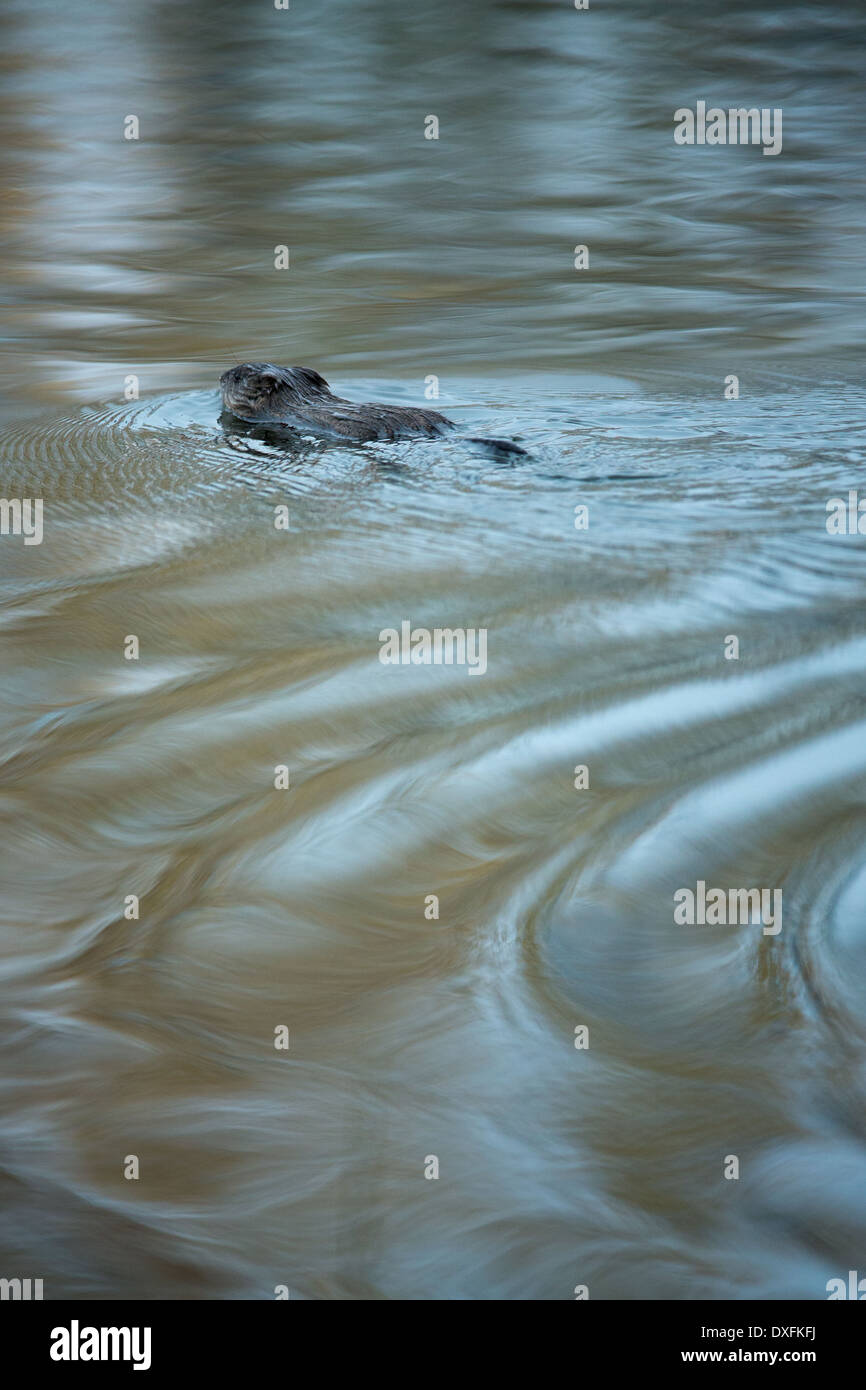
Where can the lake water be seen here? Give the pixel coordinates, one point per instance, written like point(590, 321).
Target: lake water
point(741, 765)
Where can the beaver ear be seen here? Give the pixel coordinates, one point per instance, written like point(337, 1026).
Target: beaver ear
point(312, 377)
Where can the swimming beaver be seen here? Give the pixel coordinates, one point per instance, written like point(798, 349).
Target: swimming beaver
point(298, 397)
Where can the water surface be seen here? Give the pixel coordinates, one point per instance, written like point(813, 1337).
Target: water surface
point(413, 1037)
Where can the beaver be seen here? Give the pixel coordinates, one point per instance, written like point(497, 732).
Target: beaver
point(298, 397)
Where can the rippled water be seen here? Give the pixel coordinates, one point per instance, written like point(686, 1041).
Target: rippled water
point(413, 1037)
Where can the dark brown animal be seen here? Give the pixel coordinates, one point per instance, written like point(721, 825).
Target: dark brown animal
point(298, 397)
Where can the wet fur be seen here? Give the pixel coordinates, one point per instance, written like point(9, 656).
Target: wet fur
point(300, 398)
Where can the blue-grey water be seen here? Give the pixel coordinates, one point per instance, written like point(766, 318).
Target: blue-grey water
point(665, 607)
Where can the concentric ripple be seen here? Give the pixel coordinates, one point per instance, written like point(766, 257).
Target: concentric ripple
point(413, 1031)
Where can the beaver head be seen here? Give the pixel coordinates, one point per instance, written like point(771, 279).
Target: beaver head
point(259, 391)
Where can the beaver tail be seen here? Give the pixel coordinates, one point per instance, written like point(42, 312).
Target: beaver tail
point(501, 447)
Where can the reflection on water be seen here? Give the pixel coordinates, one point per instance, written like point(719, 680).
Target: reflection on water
point(413, 1035)
point(305, 128)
